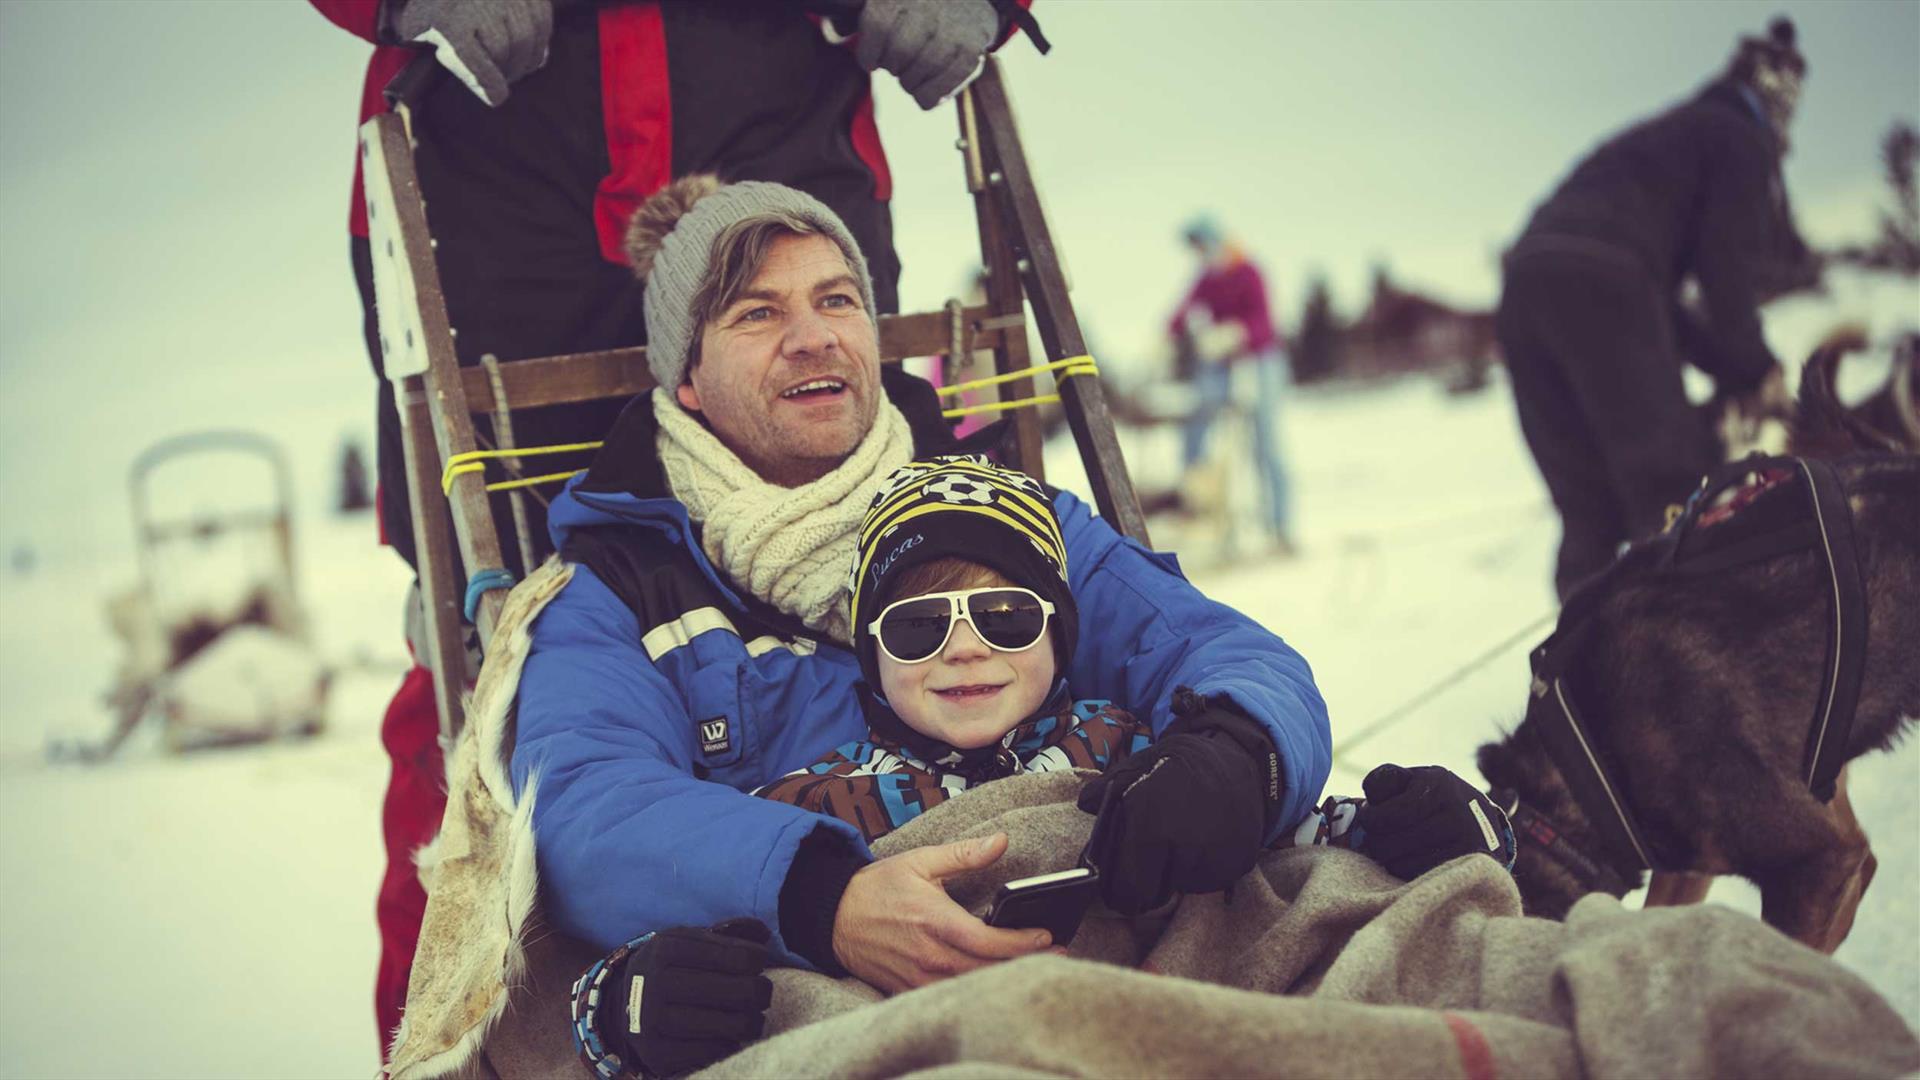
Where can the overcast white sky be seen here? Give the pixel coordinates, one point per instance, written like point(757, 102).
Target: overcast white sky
point(174, 178)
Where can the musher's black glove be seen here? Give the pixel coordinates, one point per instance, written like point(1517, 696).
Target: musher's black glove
point(702, 998)
point(1188, 813)
point(1416, 819)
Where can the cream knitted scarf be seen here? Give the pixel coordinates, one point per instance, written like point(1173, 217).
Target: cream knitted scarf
point(791, 547)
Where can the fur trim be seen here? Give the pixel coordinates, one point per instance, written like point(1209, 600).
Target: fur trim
point(480, 871)
point(493, 708)
point(523, 880)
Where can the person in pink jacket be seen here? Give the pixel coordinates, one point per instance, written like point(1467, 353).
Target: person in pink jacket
point(1232, 293)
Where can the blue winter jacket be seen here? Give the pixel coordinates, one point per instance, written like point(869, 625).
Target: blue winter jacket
point(646, 739)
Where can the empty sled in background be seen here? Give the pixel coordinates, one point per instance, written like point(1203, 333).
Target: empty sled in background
point(217, 644)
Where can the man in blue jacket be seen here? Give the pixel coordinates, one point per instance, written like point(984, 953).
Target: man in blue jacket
point(701, 649)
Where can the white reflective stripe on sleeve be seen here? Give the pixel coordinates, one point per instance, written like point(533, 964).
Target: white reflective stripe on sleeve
point(669, 636)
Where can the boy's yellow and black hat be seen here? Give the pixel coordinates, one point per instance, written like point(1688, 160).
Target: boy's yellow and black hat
point(966, 507)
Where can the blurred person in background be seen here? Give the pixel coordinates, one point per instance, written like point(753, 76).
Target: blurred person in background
point(1589, 311)
point(570, 115)
point(1232, 295)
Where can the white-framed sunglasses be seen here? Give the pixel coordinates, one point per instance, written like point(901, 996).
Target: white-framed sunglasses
point(1007, 618)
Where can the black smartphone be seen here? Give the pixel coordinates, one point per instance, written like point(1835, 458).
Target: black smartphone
point(1052, 902)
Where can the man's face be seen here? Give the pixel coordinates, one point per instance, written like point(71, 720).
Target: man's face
point(789, 373)
point(1779, 87)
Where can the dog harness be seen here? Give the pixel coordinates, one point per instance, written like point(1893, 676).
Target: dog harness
point(1823, 522)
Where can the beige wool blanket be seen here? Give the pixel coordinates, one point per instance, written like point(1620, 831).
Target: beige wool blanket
point(1318, 963)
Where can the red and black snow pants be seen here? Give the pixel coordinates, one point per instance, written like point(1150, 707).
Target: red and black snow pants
point(416, 800)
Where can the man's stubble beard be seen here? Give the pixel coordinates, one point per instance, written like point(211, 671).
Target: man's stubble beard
point(790, 469)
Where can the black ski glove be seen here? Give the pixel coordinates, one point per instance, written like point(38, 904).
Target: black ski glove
point(1187, 814)
point(702, 997)
point(489, 44)
point(932, 46)
point(1416, 819)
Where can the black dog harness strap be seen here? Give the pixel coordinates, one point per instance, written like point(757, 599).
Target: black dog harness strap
point(1593, 784)
point(1677, 553)
point(1538, 829)
point(1847, 650)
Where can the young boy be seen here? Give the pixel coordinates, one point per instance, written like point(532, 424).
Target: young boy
point(963, 624)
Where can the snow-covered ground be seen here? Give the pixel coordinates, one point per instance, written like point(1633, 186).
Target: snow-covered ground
point(213, 916)
point(201, 916)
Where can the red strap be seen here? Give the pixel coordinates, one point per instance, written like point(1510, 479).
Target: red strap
point(380, 519)
point(866, 143)
point(360, 18)
point(638, 111)
point(386, 63)
point(1767, 478)
point(1476, 1057)
point(1012, 27)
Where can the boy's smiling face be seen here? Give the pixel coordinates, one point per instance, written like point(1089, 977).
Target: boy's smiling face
point(969, 694)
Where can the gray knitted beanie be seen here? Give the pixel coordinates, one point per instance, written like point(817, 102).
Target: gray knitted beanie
point(670, 243)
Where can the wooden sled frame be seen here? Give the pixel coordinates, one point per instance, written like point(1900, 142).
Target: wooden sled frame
point(437, 398)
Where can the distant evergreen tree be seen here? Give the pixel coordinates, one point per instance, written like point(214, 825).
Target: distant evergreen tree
point(1900, 228)
point(1382, 282)
point(1316, 348)
point(1897, 248)
point(355, 494)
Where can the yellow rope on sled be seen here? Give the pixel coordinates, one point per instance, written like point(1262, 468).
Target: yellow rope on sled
point(1071, 366)
point(1000, 406)
point(474, 461)
point(1062, 369)
point(530, 481)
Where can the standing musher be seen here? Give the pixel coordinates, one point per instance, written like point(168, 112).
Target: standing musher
point(1231, 290)
point(701, 648)
point(572, 113)
point(1590, 322)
